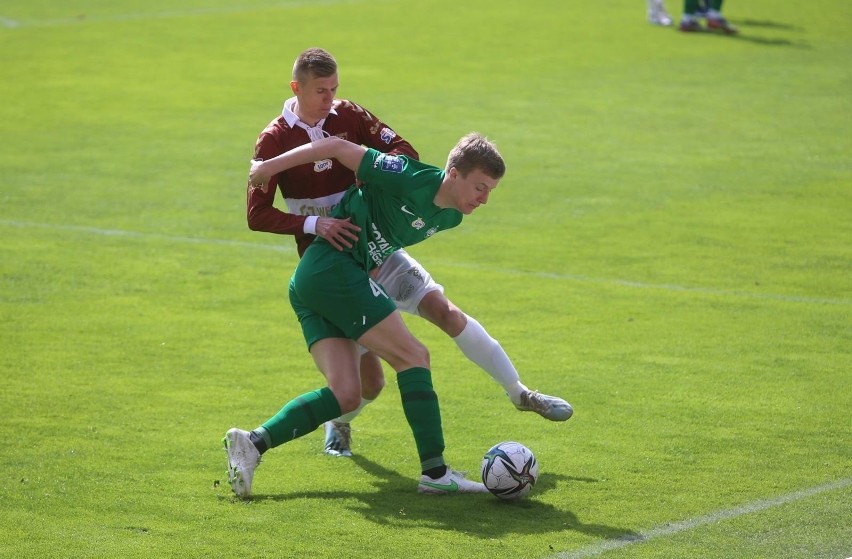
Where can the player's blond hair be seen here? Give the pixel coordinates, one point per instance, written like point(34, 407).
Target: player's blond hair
point(475, 151)
point(314, 62)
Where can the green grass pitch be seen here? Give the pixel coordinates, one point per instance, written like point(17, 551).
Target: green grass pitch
point(671, 250)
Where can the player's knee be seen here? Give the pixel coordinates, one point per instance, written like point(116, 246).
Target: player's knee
point(348, 399)
point(407, 355)
point(349, 402)
point(372, 387)
point(440, 311)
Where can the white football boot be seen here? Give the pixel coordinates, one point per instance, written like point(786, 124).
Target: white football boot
point(549, 407)
point(450, 482)
point(338, 439)
point(657, 14)
point(243, 458)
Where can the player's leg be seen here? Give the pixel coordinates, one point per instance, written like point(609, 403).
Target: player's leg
point(478, 346)
point(338, 431)
point(336, 356)
point(391, 340)
point(337, 359)
point(473, 341)
point(715, 20)
point(372, 375)
point(414, 291)
point(689, 22)
point(335, 287)
point(657, 13)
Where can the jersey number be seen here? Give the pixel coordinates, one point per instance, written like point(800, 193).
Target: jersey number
point(378, 291)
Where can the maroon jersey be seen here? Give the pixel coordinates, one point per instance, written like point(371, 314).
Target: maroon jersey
point(316, 188)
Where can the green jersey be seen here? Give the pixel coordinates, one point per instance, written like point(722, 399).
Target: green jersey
point(394, 207)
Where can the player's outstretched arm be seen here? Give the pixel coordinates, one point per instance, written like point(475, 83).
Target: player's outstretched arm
point(345, 152)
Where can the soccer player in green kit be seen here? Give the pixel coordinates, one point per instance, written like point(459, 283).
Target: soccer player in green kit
point(709, 9)
point(401, 202)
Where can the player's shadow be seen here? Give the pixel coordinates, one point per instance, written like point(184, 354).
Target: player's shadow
point(743, 35)
point(767, 41)
point(396, 504)
point(768, 24)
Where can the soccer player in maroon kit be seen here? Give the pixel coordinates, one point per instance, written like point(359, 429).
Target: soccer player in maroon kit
point(311, 192)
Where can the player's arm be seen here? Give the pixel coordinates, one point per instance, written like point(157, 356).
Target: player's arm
point(261, 214)
point(345, 152)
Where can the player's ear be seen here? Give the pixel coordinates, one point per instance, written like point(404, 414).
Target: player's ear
point(294, 85)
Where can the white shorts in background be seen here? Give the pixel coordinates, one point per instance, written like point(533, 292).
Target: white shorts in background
point(405, 281)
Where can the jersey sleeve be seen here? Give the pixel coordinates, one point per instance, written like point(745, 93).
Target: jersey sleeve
point(383, 171)
point(398, 175)
point(261, 214)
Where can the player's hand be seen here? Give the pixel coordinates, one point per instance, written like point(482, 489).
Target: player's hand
point(256, 177)
point(338, 232)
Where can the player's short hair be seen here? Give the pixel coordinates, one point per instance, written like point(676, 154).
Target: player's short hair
point(475, 151)
point(314, 63)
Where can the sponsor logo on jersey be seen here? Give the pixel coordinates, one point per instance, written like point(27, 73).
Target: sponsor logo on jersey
point(387, 135)
point(322, 206)
point(431, 231)
point(378, 247)
point(320, 166)
point(406, 210)
point(321, 211)
point(388, 163)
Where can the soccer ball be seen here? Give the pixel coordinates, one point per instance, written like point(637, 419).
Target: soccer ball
point(509, 470)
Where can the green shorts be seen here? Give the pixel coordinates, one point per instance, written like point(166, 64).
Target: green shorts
point(334, 297)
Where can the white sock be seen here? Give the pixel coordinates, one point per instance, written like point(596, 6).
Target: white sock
point(348, 417)
point(478, 346)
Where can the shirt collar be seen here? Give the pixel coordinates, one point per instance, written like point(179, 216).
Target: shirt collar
point(293, 119)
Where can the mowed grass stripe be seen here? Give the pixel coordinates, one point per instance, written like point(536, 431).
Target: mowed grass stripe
point(457, 264)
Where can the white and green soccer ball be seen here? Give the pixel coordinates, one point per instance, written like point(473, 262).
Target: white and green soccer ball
point(509, 470)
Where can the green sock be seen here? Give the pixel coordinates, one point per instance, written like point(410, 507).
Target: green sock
point(716, 5)
point(690, 7)
point(300, 416)
point(420, 404)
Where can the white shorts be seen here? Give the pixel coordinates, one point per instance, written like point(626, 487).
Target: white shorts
point(405, 281)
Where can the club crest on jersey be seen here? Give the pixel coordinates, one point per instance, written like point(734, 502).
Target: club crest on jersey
point(389, 163)
point(387, 135)
point(418, 224)
point(323, 165)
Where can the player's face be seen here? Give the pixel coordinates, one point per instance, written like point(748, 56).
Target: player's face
point(471, 191)
point(314, 97)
